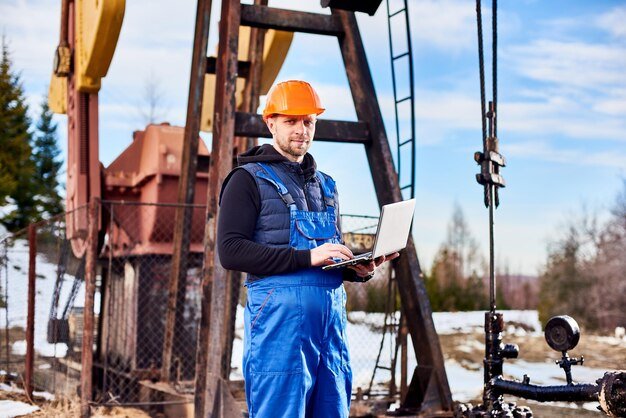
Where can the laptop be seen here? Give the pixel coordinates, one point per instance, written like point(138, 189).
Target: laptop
point(392, 234)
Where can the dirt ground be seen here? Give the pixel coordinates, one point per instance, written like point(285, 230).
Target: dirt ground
point(599, 352)
point(70, 408)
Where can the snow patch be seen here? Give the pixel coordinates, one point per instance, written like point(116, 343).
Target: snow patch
point(550, 373)
point(17, 298)
point(608, 340)
point(36, 394)
point(465, 384)
point(471, 345)
point(10, 409)
point(519, 323)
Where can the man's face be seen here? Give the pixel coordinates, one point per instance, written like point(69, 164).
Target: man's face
point(292, 134)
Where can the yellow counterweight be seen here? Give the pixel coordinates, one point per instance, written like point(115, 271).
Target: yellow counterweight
point(275, 50)
point(97, 26)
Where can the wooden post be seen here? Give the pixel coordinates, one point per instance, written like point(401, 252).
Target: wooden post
point(30, 317)
point(187, 180)
point(211, 357)
point(88, 315)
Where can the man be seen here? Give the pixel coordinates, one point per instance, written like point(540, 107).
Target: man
point(279, 222)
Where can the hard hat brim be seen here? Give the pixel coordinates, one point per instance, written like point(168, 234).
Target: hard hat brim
point(297, 112)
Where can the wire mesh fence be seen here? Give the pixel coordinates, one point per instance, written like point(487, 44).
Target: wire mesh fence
point(373, 315)
point(56, 274)
point(131, 303)
point(136, 264)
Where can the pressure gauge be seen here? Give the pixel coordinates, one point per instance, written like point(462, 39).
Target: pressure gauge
point(562, 333)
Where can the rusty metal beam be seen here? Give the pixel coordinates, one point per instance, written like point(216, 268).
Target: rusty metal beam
point(243, 67)
point(211, 359)
point(252, 87)
point(412, 290)
point(30, 316)
point(402, 333)
point(186, 183)
point(252, 125)
point(289, 20)
point(250, 103)
point(86, 382)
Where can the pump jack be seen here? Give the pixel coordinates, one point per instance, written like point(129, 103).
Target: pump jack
point(82, 59)
point(88, 36)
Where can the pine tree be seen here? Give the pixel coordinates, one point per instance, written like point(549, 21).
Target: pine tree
point(16, 165)
point(47, 165)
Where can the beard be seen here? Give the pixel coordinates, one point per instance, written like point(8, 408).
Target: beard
point(296, 148)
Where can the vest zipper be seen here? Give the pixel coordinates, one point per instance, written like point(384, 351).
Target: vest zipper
point(306, 194)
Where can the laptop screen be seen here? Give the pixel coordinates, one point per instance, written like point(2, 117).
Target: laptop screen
point(393, 228)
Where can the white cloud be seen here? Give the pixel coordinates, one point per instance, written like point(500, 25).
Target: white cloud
point(613, 22)
point(560, 116)
point(32, 34)
point(615, 107)
point(545, 152)
point(579, 64)
point(576, 88)
point(447, 24)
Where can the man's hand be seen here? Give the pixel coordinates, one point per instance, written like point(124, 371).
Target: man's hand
point(323, 255)
point(367, 270)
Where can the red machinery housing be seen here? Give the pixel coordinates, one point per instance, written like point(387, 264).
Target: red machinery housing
point(146, 172)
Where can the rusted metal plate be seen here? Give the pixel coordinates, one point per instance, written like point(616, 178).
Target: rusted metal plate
point(249, 124)
point(289, 20)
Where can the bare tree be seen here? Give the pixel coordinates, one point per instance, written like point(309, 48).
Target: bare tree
point(456, 278)
point(584, 274)
point(460, 240)
point(151, 108)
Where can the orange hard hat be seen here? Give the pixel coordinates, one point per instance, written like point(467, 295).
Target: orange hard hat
point(293, 97)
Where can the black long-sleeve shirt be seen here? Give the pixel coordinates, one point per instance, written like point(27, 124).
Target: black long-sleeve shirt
point(239, 208)
point(240, 205)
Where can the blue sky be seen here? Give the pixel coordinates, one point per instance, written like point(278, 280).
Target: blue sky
point(561, 97)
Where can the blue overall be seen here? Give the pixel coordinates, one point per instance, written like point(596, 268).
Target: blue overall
point(296, 361)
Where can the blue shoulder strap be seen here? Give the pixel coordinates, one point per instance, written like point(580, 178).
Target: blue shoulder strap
point(268, 174)
point(328, 188)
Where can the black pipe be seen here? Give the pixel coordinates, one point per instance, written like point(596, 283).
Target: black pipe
point(583, 392)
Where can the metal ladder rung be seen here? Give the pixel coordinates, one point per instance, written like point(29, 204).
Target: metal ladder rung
point(397, 57)
point(404, 52)
point(397, 12)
